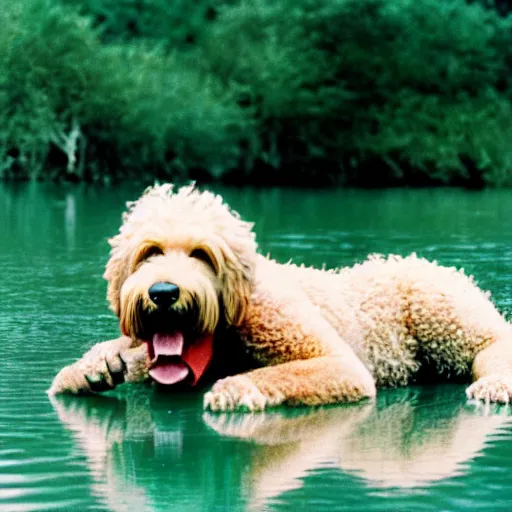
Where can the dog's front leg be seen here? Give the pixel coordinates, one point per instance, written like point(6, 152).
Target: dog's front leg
point(318, 381)
point(103, 367)
point(304, 357)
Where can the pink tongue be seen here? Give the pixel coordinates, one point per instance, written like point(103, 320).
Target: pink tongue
point(169, 373)
point(168, 344)
point(172, 364)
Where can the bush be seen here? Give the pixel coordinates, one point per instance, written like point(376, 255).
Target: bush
point(170, 22)
point(73, 108)
point(342, 86)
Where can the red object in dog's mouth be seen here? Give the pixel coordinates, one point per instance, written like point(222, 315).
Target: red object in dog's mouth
point(173, 362)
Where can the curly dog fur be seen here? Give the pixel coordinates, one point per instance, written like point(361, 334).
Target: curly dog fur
point(308, 336)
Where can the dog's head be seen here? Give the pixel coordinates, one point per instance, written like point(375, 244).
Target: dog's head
point(181, 265)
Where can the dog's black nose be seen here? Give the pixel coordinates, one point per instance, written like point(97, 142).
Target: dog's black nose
point(164, 294)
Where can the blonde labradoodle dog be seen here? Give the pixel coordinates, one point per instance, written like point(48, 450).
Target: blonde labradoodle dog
point(196, 301)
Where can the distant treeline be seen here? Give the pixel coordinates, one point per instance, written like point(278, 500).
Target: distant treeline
point(358, 92)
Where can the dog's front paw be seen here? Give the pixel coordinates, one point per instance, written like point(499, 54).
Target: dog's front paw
point(104, 367)
point(89, 376)
point(236, 393)
point(69, 380)
point(493, 388)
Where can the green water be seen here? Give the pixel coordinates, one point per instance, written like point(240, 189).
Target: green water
point(414, 449)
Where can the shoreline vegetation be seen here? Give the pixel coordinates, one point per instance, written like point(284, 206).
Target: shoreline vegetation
point(283, 92)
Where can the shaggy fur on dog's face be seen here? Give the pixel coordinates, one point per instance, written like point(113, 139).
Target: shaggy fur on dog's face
point(188, 238)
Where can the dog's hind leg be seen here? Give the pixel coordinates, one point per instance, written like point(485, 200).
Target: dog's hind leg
point(492, 372)
point(461, 332)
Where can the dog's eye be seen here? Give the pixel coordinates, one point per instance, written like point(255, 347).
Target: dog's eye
point(144, 254)
point(202, 255)
point(150, 251)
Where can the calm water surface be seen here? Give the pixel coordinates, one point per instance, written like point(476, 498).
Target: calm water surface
point(140, 450)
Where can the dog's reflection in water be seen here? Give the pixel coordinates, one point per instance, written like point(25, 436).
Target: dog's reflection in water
point(151, 452)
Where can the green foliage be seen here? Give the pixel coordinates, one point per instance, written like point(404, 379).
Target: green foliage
point(291, 91)
point(159, 116)
point(416, 86)
point(170, 22)
point(72, 107)
point(43, 80)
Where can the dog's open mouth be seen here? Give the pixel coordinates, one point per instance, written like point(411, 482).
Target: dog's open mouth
point(173, 360)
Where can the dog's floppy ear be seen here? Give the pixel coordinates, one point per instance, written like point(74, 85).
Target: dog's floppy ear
point(116, 272)
point(118, 266)
point(237, 272)
point(236, 289)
